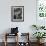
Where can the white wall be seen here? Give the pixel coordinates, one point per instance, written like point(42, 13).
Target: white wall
point(29, 15)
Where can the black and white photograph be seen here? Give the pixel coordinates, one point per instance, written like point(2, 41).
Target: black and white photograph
point(17, 13)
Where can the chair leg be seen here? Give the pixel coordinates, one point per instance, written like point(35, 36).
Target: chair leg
point(5, 39)
point(5, 43)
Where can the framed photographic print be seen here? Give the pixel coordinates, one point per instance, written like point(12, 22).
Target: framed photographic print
point(41, 8)
point(41, 12)
point(17, 13)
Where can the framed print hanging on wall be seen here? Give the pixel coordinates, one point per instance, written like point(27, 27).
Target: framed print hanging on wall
point(17, 13)
point(41, 8)
point(41, 12)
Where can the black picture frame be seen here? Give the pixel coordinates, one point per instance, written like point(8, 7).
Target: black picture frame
point(17, 13)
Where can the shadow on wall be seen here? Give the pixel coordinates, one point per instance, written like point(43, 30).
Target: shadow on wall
point(32, 30)
point(3, 33)
point(7, 31)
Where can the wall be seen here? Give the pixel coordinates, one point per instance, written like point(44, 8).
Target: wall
point(29, 15)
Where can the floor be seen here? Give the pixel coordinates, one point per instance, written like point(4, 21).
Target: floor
point(13, 44)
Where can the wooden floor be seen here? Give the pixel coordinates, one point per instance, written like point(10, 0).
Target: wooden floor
point(13, 44)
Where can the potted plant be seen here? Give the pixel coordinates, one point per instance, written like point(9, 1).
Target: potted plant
point(34, 26)
point(39, 35)
point(38, 27)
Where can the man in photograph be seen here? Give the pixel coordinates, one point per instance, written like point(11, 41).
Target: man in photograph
point(17, 13)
